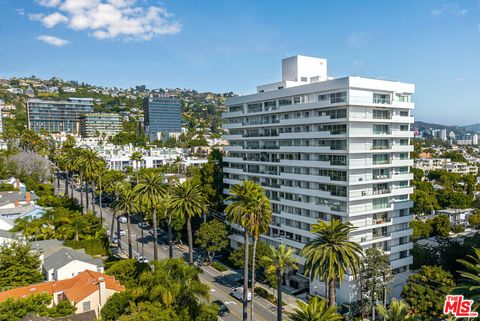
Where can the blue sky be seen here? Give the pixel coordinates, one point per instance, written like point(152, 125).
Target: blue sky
point(231, 45)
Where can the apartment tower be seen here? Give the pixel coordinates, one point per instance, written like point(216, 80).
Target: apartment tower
point(325, 149)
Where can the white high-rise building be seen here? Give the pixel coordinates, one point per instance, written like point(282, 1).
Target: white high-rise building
point(327, 149)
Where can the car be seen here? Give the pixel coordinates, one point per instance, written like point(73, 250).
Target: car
point(122, 232)
point(122, 219)
point(159, 231)
point(143, 225)
point(115, 240)
point(238, 294)
point(142, 259)
point(223, 310)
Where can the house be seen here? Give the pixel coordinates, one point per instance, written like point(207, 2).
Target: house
point(87, 291)
point(66, 263)
point(7, 237)
point(60, 262)
point(456, 216)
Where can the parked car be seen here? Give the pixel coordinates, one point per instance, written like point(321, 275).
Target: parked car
point(223, 310)
point(115, 240)
point(159, 231)
point(238, 294)
point(122, 219)
point(122, 232)
point(142, 259)
point(143, 225)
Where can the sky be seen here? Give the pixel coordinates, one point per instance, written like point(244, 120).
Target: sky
point(233, 45)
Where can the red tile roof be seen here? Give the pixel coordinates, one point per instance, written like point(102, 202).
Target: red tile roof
point(75, 289)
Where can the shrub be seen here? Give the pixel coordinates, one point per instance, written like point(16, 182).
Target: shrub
point(219, 267)
point(91, 246)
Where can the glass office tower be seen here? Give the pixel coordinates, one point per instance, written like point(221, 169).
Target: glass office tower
point(162, 117)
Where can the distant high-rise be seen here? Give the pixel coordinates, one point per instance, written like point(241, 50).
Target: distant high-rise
point(326, 149)
point(93, 124)
point(162, 117)
point(61, 116)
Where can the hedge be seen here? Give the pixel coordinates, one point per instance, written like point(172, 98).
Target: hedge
point(219, 267)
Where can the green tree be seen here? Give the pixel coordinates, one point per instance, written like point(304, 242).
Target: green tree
point(136, 157)
point(421, 229)
point(15, 309)
point(19, 266)
point(127, 204)
point(127, 272)
point(117, 305)
point(440, 225)
point(397, 311)
point(279, 263)
point(63, 308)
point(331, 254)
point(474, 220)
point(424, 202)
point(150, 192)
point(425, 291)
point(246, 200)
point(375, 277)
point(317, 309)
point(471, 276)
point(212, 237)
point(188, 200)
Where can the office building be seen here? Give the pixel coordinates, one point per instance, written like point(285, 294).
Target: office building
point(99, 124)
point(327, 149)
point(162, 117)
point(61, 116)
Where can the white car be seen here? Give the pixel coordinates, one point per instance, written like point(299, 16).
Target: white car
point(142, 259)
point(122, 219)
point(238, 294)
point(122, 233)
point(143, 225)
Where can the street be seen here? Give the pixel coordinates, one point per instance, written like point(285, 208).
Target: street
point(220, 283)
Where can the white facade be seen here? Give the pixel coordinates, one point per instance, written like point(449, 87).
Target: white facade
point(70, 270)
point(328, 149)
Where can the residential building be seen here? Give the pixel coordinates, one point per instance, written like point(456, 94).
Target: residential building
point(460, 168)
point(57, 116)
point(87, 291)
point(99, 124)
point(430, 164)
point(66, 263)
point(457, 216)
point(327, 149)
point(162, 117)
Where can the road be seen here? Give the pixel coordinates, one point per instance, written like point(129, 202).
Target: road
point(219, 283)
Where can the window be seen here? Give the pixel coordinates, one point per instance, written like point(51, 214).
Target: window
point(380, 203)
point(381, 159)
point(86, 306)
point(380, 129)
point(404, 128)
point(404, 113)
point(285, 102)
point(381, 98)
point(381, 114)
point(403, 142)
point(303, 79)
point(381, 144)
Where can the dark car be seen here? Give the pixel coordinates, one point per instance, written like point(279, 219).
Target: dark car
point(223, 310)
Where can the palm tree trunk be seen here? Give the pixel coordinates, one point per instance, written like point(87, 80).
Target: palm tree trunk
point(155, 236)
point(326, 289)
point(170, 238)
point(130, 253)
point(373, 308)
point(255, 240)
point(81, 189)
point(72, 189)
point(67, 176)
point(279, 295)
point(93, 197)
point(190, 240)
point(112, 226)
point(86, 196)
point(245, 277)
point(100, 198)
point(331, 288)
point(136, 170)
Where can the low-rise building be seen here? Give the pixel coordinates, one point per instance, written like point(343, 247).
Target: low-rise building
point(87, 291)
point(67, 262)
point(460, 168)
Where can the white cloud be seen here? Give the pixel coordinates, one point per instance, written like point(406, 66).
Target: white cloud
point(49, 3)
point(53, 19)
point(437, 12)
point(357, 39)
point(451, 8)
point(54, 41)
point(21, 11)
point(110, 19)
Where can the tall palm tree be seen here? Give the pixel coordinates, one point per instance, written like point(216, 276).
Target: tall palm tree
point(90, 162)
point(397, 311)
point(136, 157)
point(472, 276)
point(280, 261)
point(150, 191)
point(331, 254)
point(127, 204)
point(246, 200)
point(188, 200)
point(317, 309)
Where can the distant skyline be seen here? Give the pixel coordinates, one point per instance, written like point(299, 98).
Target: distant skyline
point(222, 46)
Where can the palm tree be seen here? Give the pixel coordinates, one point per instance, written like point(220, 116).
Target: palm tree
point(398, 311)
point(472, 275)
point(246, 200)
point(91, 165)
point(188, 200)
point(136, 157)
point(150, 191)
point(127, 204)
point(317, 309)
point(280, 261)
point(331, 254)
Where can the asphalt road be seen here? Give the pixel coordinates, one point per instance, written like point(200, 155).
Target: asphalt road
point(220, 284)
